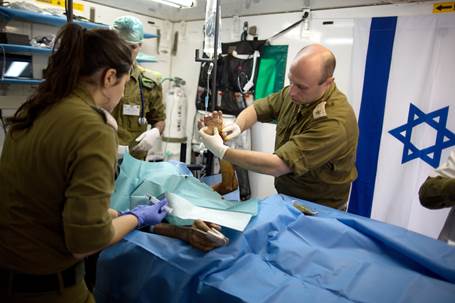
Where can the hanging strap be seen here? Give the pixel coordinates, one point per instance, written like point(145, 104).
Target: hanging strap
point(286, 29)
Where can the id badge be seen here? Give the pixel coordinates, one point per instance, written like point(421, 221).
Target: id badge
point(131, 110)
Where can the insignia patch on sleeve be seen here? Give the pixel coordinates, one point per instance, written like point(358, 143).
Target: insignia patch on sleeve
point(319, 111)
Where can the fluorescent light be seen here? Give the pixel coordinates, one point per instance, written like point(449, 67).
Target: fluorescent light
point(339, 41)
point(178, 3)
point(16, 68)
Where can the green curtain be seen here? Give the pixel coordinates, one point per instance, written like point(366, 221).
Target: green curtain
point(272, 69)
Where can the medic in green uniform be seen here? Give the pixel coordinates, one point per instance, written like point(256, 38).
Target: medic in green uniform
point(316, 133)
point(57, 172)
point(140, 114)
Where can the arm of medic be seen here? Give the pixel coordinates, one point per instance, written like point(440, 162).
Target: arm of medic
point(259, 162)
point(123, 223)
point(201, 235)
point(438, 190)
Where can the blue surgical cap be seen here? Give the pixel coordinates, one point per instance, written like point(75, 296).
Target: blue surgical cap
point(129, 28)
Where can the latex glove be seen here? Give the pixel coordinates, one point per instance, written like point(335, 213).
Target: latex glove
point(121, 149)
point(148, 214)
point(146, 140)
point(214, 143)
point(231, 131)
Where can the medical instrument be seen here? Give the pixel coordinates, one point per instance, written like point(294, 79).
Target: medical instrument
point(304, 209)
point(206, 99)
point(154, 200)
point(174, 134)
point(142, 120)
point(212, 6)
point(212, 24)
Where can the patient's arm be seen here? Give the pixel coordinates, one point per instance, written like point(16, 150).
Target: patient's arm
point(192, 235)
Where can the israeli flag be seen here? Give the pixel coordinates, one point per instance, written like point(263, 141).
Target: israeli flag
point(403, 91)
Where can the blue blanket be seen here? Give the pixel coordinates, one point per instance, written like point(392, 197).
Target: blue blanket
point(283, 256)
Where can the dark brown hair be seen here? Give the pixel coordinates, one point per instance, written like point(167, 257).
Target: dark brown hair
point(77, 53)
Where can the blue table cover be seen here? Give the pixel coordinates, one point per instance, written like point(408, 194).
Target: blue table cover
point(283, 256)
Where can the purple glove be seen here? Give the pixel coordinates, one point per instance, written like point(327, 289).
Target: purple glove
point(149, 214)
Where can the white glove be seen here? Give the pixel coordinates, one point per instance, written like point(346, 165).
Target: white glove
point(231, 131)
point(121, 149)
point(213, 143)
point(146, 140)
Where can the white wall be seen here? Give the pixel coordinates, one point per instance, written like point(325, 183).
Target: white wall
point(103, 15)
point(337, 37)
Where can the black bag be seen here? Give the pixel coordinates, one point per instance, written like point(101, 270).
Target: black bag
point(232, 75)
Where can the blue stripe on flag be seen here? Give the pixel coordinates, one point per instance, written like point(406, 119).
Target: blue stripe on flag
point(371, 116)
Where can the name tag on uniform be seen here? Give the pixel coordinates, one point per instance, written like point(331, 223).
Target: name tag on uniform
point(131, 110)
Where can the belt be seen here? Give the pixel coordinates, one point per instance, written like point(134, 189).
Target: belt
point(17, 282)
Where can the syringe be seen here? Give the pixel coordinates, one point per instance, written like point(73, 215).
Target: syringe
point(155, 200)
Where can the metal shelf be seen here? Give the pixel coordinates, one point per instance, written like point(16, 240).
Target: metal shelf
point(21, 81)
point(18, 14)
point(144, 58)
point(16, 48)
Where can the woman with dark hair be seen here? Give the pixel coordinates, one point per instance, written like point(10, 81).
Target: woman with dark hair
point(57, 171)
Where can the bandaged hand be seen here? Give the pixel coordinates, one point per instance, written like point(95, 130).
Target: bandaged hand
point(213, 142)
point(146, 140)
point(148, 214)
point(231, 131)
point(198, 238)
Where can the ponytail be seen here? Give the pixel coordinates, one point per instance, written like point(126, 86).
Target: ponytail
point(77, 52)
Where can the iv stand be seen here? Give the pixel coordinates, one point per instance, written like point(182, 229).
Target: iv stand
point(69, 10)
point(215, 56)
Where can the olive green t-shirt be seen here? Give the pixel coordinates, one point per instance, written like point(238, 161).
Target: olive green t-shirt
point(317, 141)
point(56, 180)
point(129, 127)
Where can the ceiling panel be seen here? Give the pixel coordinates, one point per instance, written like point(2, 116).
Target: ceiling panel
point(231, 8)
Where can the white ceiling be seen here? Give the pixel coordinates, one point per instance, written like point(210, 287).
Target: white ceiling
point(231, 8)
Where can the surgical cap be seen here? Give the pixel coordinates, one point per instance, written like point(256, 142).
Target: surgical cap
point(129, 28)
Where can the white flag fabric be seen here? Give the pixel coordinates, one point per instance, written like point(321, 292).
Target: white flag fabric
point(403, 90)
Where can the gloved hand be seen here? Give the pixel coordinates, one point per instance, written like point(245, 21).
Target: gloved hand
point(148, 214)
point(231, 131)
point(213, 143)
point(121, 149)
point(146, 140)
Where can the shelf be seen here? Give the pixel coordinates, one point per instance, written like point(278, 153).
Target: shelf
point(147, 60)
point(20, 81)
point(18, 14)
point(144, 58)
point(149, 36)
point(16, 48)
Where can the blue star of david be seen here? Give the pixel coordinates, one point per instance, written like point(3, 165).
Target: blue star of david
point(444, 138)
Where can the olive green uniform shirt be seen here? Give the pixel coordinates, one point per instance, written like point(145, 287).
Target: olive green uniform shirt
point(317, 141)
point(128, 124)
point(56, 180)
